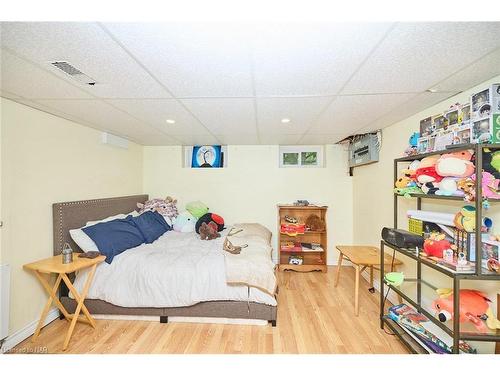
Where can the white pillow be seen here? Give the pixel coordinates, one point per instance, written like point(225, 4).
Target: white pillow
point(83, 241)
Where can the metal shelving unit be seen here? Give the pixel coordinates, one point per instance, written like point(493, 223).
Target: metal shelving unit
point(478, 274)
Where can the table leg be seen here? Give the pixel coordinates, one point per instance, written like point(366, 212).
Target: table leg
point(356, 291)
point(52, 291)
point(80, 299)
point(77, 296)
point(372, 288)
point(339, 266)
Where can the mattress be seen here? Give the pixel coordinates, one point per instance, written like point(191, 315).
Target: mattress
point(176, 270)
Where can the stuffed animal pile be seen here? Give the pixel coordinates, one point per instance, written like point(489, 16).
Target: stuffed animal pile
point(451, 174)
point(197, 218)
point(166, 207)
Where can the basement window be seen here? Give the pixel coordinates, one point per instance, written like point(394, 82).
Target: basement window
point(301, 156)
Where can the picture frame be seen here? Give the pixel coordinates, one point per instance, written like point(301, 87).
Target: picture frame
point(462, 135)
point(452, 117)
point(439, 122)
point(207, 156)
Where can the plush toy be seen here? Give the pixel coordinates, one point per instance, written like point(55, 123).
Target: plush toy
point(403, 182)
point(314, 223)
point(455, 164)
point(408, 191)
point(412, 148)
point(447, 187)
point(466, 219)
point(208, 231)
point(489, 184)
point(166, 207)
point(197, 209)
point(185, 223)
point(435, 245)
point(207, 218)
point(426, 171)
point(474, 308)
point(491, 162)
point(467, 186)
point(430, 187)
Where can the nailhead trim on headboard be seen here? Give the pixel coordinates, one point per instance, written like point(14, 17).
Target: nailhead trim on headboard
point(65, 216)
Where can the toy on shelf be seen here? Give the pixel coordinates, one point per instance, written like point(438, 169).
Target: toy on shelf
point(491, 162)
point(455, 164)
point(467, 186)
point(394, 278)
point(465, 219)
point(485, 112)
point(291, 219)
point(436, 244)
point(408, 191)
point(292, 229)
point(474, 308)
point(413, 143)
point(489, 184)
point(314, 223)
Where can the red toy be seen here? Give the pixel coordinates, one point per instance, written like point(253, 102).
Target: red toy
point(292, 229)
point(474, 308)
point(435, 245)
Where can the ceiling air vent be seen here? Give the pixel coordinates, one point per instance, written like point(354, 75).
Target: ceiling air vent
point(73, 72)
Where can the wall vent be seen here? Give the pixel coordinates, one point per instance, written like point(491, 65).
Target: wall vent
point(73, 72)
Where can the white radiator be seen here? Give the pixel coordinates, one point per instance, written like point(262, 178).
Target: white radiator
point(4, 300)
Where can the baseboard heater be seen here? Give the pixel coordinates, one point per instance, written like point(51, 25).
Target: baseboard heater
point(4, 300)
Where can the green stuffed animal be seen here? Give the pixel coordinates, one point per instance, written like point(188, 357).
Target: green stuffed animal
point(408, 191)
point(197, 209)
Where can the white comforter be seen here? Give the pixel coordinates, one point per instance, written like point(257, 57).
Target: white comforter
point(176, 270)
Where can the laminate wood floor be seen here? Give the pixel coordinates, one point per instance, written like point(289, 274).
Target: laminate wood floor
point(313, 317)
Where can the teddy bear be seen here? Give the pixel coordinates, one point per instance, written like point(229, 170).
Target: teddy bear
point(314, 223)
point(209, 231)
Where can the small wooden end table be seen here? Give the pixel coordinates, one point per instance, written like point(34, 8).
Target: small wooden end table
point(55, 265)
point(362, 257)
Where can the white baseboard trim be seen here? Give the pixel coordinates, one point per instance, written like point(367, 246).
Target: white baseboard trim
point(21, 335)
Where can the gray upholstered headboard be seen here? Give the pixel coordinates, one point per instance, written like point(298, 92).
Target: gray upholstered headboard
point(71, 215)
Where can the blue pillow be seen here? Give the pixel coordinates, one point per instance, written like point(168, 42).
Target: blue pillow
point(152, 225)
point(115, 236)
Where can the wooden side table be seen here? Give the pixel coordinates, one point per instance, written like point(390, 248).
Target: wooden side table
point(362, 257)
point(55, 265)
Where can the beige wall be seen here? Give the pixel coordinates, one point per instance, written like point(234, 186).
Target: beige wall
point(251, 186)
point(47, 159)
point(373, 199)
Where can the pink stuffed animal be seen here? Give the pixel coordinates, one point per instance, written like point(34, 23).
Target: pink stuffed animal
point(490, 185)
point(165, 207)
point(455, 164)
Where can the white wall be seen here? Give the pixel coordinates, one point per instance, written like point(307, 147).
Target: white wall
point(251, 186)
point(373, 198)
point(47, 159)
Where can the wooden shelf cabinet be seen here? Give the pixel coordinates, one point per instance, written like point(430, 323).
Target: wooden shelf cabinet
point(312, 260)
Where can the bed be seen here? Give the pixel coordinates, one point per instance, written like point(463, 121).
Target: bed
point(191, 282)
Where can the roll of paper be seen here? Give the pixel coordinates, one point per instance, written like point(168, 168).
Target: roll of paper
point(431, 216)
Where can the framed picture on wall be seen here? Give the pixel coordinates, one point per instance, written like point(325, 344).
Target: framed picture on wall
point(207, 157)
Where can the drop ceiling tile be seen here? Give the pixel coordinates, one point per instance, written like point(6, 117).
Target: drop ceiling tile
point(416, 56)
point(301, 111)
point(225, 116)
point(311, 59)
point(40, 83)
point(198, 139)
point(482, 70)
point(157, 111)
point(279, 139)
point(415, 105)
point(90, 49)
point(321, 139)
point(238, 139)
point(105, 117)
point(347, 114)
point(191, 59)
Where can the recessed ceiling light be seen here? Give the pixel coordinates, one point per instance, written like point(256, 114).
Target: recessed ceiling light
point(285, 120)
point(170, 121)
